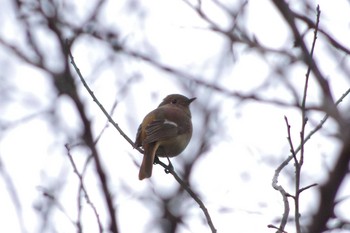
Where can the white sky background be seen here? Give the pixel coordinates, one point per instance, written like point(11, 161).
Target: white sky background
point(235, 175)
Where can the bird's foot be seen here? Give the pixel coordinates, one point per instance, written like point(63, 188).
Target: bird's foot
point(169, 167)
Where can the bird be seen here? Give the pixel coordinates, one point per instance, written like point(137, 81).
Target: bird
point(165, 131)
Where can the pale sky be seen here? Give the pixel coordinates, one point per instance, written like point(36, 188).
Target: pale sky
point(233, 178)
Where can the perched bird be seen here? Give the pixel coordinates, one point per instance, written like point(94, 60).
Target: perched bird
point(164, 132)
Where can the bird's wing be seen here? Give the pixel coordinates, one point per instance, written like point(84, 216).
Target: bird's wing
point(159, 130)
point(138, 141)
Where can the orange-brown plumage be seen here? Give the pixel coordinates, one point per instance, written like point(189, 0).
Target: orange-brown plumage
point(165, 131)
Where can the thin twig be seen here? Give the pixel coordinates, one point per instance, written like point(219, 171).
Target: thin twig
point(202, 82)
point(301, 146)
point(91, 93)
point(299, 163)
point(170, 169)
point(278, 170)
point(13, 194)
point(290, 140)
point(177, 178)
point(289, 17)
point(89, 141)
point(307, 187)
point(82, 187)
point(277, 228)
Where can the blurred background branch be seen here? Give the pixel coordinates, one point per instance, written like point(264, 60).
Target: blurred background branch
point(245, 62)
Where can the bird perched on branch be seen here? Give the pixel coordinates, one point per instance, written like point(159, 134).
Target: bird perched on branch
point(165, 131)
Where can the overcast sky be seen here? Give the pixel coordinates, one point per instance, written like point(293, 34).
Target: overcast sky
point(233, 177)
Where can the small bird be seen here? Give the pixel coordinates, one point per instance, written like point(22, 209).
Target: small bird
point(164, 132)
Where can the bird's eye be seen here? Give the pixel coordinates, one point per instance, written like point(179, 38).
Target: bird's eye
point(174, 101)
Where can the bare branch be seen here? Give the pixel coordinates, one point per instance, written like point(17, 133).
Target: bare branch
point(83, 189)
point(288, 15)
point(177, 178)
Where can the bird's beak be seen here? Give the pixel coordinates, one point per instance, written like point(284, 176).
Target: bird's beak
point(191, 100)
